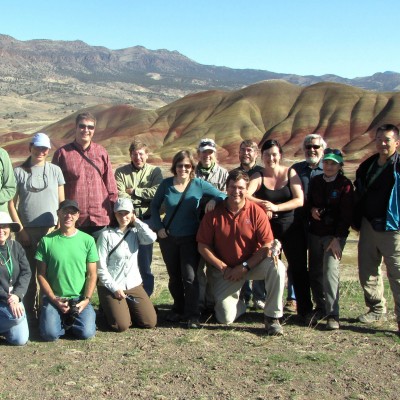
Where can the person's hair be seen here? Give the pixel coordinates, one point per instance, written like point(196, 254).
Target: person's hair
point(314, 136)
point(236, 175)
point(138, 145)
point(249, 143)
point(86, 115)
point(26, 165)
point(271, 143)
point(181, 155)
point(388, 128)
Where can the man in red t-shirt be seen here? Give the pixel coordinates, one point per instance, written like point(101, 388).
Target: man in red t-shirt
point(235, 239)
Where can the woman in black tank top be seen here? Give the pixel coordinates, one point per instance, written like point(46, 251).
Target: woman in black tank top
point(278, 190)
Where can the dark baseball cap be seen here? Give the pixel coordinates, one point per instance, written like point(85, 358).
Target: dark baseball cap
point(68, 203)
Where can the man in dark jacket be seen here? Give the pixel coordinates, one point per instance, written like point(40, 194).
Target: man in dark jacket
point(378, 196)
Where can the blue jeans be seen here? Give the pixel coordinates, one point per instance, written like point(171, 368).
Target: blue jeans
point(145, 256)
point(15, 330)
point(51, 322)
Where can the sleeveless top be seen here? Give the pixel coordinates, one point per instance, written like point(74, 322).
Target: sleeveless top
point(277, 196)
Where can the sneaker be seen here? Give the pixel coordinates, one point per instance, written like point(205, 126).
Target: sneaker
point(290, 306)
point(273, 327)
point(258, 305)
point(370, 317)
point(193, 323)
point(332, 324)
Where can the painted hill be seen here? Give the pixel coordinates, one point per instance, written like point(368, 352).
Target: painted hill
point(346, 116)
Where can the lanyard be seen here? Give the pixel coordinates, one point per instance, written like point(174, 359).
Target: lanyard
point(8, 263)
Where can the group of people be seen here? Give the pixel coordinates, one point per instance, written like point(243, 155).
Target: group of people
point(78, 226)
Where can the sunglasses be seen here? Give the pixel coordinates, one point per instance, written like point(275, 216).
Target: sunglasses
point(337, 152)
point(312, 146)
point(207, 143)
point(84, 126)
point(187, 166)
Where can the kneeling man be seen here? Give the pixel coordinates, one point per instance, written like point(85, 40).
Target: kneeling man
point(67, 276)
point(236, 239)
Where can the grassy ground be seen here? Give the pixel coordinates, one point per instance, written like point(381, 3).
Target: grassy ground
point(215, 362)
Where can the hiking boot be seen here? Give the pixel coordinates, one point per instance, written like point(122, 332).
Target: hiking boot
point(193, 323)
point(174, 317)
point(258, 305)
point(273, 327)
point(290, 306)
point(370, 317)
point(332, 324)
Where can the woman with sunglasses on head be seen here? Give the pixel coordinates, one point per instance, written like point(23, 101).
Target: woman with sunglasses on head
point(330, 201)
point(181, 195)
point(278, 190)
point(120, 288)
point(15, 275)
point(40, 189)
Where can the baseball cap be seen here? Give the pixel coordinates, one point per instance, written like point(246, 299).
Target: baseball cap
point(68, 203)
point(334, 155)
point(123, 204)
point(207, 144)
point(41, 140)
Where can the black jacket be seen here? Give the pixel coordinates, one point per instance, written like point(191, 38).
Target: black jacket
point(21, 275)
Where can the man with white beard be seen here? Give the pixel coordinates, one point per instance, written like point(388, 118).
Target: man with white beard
point(313, 146)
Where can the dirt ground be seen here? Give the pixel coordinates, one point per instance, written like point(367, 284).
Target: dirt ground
point(215, 362)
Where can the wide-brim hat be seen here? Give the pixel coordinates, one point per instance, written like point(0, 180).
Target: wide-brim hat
point(5, 219)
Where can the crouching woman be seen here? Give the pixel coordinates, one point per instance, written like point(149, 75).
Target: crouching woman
point(15, 275)
point(120, 289)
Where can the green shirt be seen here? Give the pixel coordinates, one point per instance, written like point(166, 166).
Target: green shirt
point(66, 258)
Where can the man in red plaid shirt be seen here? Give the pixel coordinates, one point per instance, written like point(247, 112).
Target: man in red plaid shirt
point(89, 178)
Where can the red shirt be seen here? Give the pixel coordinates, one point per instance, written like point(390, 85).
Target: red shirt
point(235, 238)
point(95, 194)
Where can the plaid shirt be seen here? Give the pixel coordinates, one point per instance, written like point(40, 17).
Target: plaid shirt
point(95, 194)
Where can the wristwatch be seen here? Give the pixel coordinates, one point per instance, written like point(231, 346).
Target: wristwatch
point(246, 266)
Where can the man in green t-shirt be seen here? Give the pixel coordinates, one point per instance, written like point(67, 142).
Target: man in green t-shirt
point(67, 276)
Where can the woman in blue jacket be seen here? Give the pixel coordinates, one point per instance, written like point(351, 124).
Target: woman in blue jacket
point(181, 195)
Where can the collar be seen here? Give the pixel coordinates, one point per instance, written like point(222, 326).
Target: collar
point(79, 147)
point(135, 168)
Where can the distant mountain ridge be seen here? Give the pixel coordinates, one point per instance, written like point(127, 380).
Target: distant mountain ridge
point(62, 60)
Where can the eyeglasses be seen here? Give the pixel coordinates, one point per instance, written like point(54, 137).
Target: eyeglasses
point(312, 146)
point(131, 298)
point(72, 211)
point(337, 152)
point(187, 166)
point(84, 126)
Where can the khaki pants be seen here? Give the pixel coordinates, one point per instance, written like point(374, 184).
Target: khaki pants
point(120, 314)
point(372, 247)
point(228, 306)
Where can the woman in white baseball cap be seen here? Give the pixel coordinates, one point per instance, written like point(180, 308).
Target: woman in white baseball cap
point(40, 189)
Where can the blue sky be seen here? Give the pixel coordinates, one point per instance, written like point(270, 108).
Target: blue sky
point(349, 38)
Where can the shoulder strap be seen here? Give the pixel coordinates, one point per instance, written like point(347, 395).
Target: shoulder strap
point(118, 244)
point(85, 157)
point(177, 206)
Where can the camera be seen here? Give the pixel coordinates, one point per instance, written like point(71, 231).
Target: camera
point(72, 314)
